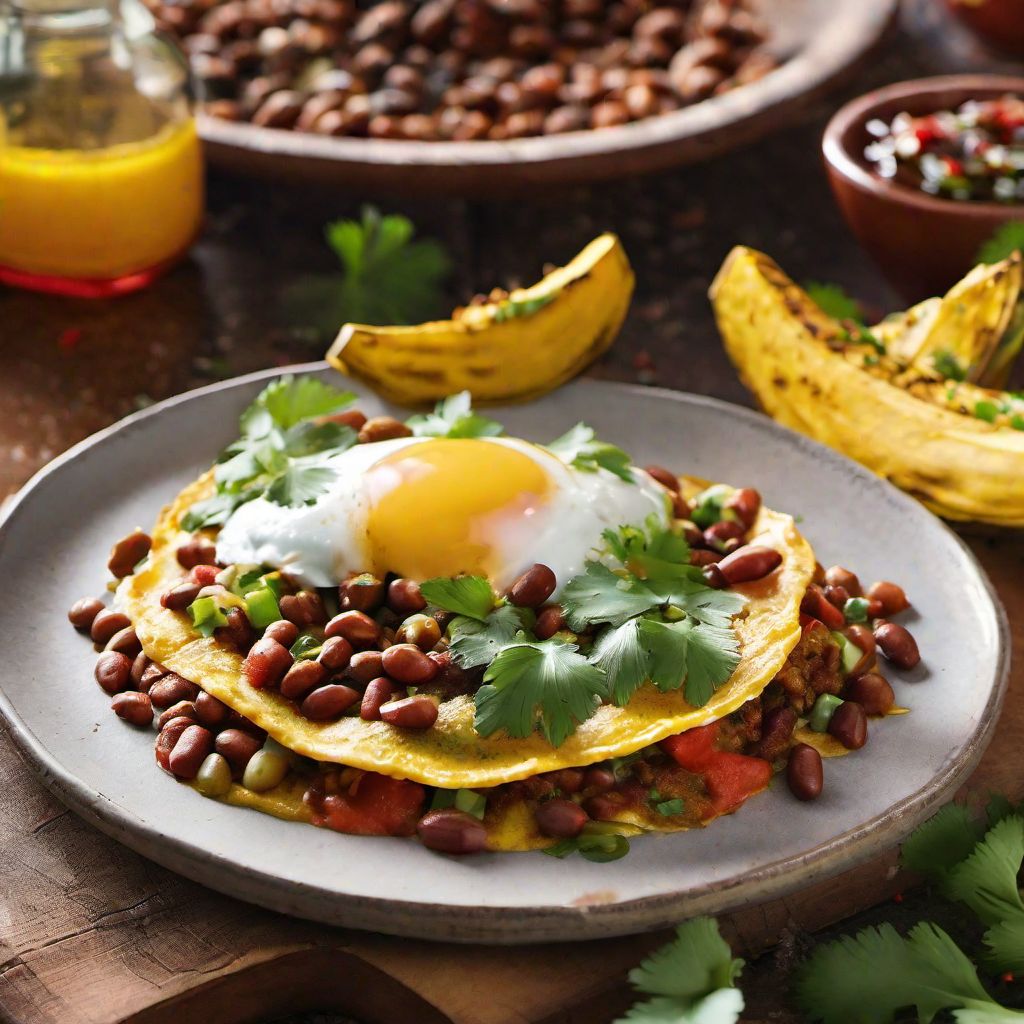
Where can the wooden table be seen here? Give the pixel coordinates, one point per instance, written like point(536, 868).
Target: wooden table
point(90, 932)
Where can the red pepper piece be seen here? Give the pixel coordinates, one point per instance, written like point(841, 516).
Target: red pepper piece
point(375, 806)
point(732, 778)
point(693, 749)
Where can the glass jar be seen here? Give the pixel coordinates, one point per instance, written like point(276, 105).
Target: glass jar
point(101, 183)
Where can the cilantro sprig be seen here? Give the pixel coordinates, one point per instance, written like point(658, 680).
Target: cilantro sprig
point(454, 417)
point(1008, 239)
point(284, 453)
point(580, 448)
point(835, 302)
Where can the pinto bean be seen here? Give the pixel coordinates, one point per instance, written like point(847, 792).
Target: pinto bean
point(377, 693)
point(451, 831)
point(891, 597)
point(283, 631)
point(356, 627)
point(82, 613)
point(197, 551)
point(898, 645)
point(417, 712)
point(365, 666)
point(804, 772)
point(404, 597)
point(746, 503)
point(363, 593)
point(266, 663)
point(407, 664)
point(872, 692)
point(134, 708)
point(749, 563)
point(837, 576)
point(561, 819)
point(180, 596)
point(533, 587)
point(170, 689)
point(113, 671)
point(128, 552)
point(849, 725)
point(237, 747)
point(106, 624)
point(550, 621)
point(190, 751)
point(302, 677)
point(329, 702)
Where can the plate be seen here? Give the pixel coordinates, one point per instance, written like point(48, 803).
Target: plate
point(53, 549)
point(817, 39)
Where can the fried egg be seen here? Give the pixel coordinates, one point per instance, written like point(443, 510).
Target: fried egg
point(423, 507)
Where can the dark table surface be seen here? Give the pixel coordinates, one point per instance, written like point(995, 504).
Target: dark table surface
point(72, 367)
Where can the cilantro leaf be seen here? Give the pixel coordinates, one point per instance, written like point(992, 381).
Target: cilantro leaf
point(475, 643)
point(601, 595)
point(453, 417)
point(301, 482)
point(1008, 239)
point(509, 309)
point(598, 842)
point(578, 448)
point(212, 511)
point(721, 1007)
point(832, 300)
point(289, 400)
point(311, 438)
point(941, 842)
point(621, 655)
point(470, 596)
point(547, 684)
point(948, 365)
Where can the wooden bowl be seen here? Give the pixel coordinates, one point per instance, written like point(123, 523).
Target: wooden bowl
point(816, 39)
point(923, 243)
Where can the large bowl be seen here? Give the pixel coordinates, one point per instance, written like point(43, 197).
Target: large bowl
point(923, 243)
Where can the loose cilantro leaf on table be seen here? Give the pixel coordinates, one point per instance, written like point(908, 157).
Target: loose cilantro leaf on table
point(579, 448)
point(470, 596)
point(1008, 239)
point(547, 683)
point(941, 842)
point(454, 417)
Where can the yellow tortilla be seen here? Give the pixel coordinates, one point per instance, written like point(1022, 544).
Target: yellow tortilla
point(451, 754)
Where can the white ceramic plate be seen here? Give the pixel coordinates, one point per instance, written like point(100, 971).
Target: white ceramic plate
point(53, 548)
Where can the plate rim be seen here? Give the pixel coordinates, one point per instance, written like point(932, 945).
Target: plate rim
point(534, 923)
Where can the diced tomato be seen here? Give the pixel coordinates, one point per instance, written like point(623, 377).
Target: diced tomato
point(375, 806)
point(692, 749)
point(808, 623)
point(204, 575)
point(732, 778)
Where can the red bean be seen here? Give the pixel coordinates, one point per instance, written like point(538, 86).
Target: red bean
point(134, 708)
point(776, 733)
point(266, 663)
point(872, 692)
point(382, 428)
point(849, 725)
point(407, 664)
point(328, 702)
point(861, 637)
point(139, 666)
point(837, 595)
point(705, 557)
point(113, 671)
point(210, 711)
point(128, 552)
point(124, 641)
point(197, 551)
point(713, 576)
point(377, 693)
point(167, 739)
point(898, 645)
point(749, 563)
point(533, 587)
point(190, 751)
point(451, 831)
point(804, 772)
point(364, 593)
point(568, 780)
point(837, 576)
point(302, 677)
point(891, 598)
point(365, 666)
point(183, 709)
point(170, 689)
point(598, 779)
point(237, 747)
point(82, 613)
point(150, 675)
point(819, 607)
point(305, 608)
point(417, 712)
point(356, 627)
point(550, 621)
point(181, 596)
point(238, 632)
point(349, 418)
point(717, 534)
point(561, 819)
point(283, 631)
point(665, 477)
point(404, 597)
point(335, 654)
point(106, 624)
point(746, 503)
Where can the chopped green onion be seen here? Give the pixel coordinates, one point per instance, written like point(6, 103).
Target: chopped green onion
point(261, 607)
point(206, 616)
point(822, 712)
point(987, 411)
point(707, 506)
point(273, 582)
point(851, 653)
point(443, 799)
point(307, 646)
point(856, 609)
point(246, 581)
point(470, 802)
point(670, 807)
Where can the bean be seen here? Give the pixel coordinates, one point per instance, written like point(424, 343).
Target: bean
point(598, 780)
point(718, 534)
point(335, 654)
point(128, 552)
point(328, 702)
point(561, 819)
point(417, 712)
point(408, 665)
point(383, 428)
point(451, 831)
point(746, 503)
point(837, 595)
point(172, 688)
point(703, 557)
point(377, 693)
point(124, 641)
point(210, 711)
point(349, 418)
point(750, 563)
point(366, 666)
point(363, 593)
point(804, 772)
point(356, 627)
point(179, 597)
point(550, 621)
point(890, 596)
point(106, 624)
point(237, 747)
point(533, 587)
point(82, 613)
point(283, 631)
point(421, 630)
point(776, 733)
point(266, 663)
point(302, 677)
point(665, 477)
point(134, 708)
point(183, 709)
point(872, 692)
point(713, 576)
point(404, 597)
point(139, 666)
point(190, 751)
point(150, 675)
point(849, 725)
point(113, 671)
point(837, 576)
point(816, 605)
point(898, 645)
point(167, 739)
point(305, 608)
point(861, 637)
point(214, 776)
point(197, 551)
point(568, 780)
point(265, 770)
point(681, 508)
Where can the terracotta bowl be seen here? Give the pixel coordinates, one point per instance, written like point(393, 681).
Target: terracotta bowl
point(922, 243)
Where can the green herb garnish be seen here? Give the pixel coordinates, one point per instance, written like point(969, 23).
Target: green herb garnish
point(510, 309)
point(454, 417)
point(475, 643)
point(1008, 239)
point(579, 448)
point(987, 411)
point(470, 596)
point(206, 616)
point(670, 807)
point(948, 365)
point(598, 842)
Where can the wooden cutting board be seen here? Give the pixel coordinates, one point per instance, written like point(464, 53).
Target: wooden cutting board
point(91, 933)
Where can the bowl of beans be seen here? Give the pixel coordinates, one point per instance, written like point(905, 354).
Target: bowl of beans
point(489, 96)
point(925, 172)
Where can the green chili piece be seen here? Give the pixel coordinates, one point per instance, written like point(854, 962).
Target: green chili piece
point(261, 607)
point(206, 616)
point(822, 712)
point(856, 609)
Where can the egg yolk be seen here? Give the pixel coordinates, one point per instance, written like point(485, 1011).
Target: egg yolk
point(436, 508)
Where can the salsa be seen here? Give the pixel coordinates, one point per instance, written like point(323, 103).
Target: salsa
point(973, 153)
